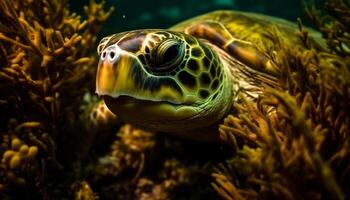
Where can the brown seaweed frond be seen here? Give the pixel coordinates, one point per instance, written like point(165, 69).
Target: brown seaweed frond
point(286, 143)
point(129, 152)
point(334, 25)
point(46, 67)
point(146, 165)
point(174, 173)
point(83, 191)
point(125, 163)
point(300, 148)
point(19, 164)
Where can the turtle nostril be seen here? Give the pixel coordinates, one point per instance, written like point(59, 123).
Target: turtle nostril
point(103, 55)
point(111, 55)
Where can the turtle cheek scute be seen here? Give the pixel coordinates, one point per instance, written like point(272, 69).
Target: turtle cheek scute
point(196, 52)
point(205, 79)
point(193, 65)
point(187, 79)
point(213, 70)
point(209, 76)
point(191, 40)
point(204, 93)
point(214, 84)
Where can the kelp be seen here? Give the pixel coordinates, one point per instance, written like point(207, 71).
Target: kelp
point(47, 64)
point(300, 150)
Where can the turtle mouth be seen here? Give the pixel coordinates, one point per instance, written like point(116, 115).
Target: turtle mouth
point(124, 100)
point(139, 111)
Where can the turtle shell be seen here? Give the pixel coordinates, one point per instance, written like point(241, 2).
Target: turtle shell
point(248, 36)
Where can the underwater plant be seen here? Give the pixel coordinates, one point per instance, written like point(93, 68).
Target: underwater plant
point(47, 64)
point(302, 150)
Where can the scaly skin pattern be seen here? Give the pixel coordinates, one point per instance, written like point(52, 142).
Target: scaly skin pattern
point(100, 117)
point(183, 80)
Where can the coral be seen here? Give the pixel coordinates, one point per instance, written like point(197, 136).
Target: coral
point(47, 66)
point(300, 150)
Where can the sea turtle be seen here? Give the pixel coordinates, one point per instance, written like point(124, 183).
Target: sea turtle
point(183, 80)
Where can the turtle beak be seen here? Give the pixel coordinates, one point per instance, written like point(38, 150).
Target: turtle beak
point(115, 75)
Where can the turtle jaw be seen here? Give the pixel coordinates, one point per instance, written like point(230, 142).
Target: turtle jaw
point(148, 113)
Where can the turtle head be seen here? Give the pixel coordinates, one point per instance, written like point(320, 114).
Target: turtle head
point(162, 80)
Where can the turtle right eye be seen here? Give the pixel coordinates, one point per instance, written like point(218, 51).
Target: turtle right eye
point(167, 55)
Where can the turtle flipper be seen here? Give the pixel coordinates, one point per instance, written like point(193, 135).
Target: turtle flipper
point(244, 51)
point(100, 117)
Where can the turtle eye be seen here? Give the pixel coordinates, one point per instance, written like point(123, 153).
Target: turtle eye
point(167, 55)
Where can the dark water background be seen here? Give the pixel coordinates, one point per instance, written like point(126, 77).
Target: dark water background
point(139, 14)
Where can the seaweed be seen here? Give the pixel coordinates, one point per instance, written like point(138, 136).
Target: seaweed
point(146, 165)
point(333, 24)
point(300, 150)
point(47, 66)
